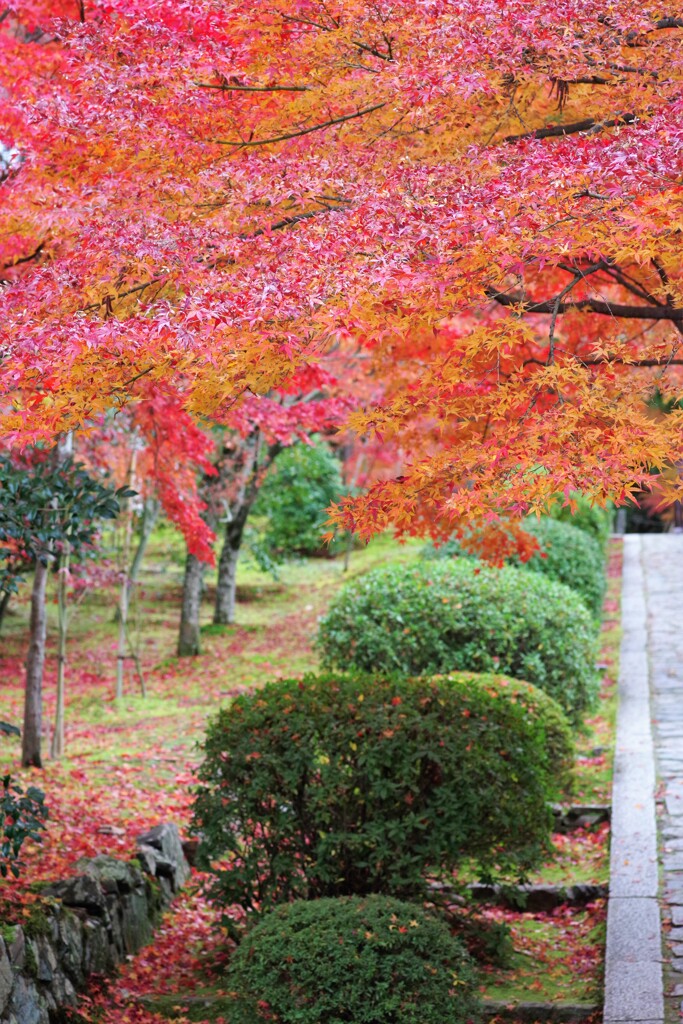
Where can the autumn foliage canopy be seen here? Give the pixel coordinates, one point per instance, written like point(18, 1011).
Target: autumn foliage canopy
point(482, 201)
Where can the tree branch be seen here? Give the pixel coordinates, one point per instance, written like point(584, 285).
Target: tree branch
point(614, 309)
point(558, 130)
point(240, 144)
point(25, 259)
point(373, 50)
point(224, 87)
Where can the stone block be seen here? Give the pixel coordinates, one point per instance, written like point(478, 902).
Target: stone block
point(633, 992)
point(633, 930)
point(6, 976)
point(165, 839)
point(81, 891)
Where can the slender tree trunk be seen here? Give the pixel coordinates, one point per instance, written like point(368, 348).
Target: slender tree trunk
point(150, 514)
point(125, 586)
point(33, 702)
point(4, 604)
point(57, 745)
point(251, 472)
point(226, 586)
point(193, 589)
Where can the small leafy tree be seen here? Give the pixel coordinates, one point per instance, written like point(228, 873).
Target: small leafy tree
point(48, 507)
point(302, 483)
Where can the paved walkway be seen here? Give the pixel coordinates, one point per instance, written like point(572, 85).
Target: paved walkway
point(644, 971)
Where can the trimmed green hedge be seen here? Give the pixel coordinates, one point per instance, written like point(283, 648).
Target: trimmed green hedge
point(570, 556)
point(452, 616)
point(333, 786)
point(334, 961)
point(591, 519)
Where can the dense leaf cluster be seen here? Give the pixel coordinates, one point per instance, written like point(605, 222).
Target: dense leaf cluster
point(375, 960)
point(22, 817)
point(337, 786)
point(42, 505)
point(444, 616)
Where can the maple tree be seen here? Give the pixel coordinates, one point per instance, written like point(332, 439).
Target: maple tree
point(485, 196)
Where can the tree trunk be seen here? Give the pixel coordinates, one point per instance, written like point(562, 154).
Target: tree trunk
point(5, 598)
point(193, 588)
point(33, 701)
point(57, 745)
point(226, 585)
point(125, 584)
point(150, 514)
point(250, 478)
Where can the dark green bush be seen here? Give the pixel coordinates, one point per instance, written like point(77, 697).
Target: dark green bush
point(593, 520)
point(347, 786)
point(302, 483)
point(570, 556)
point(345, 961)
point(22, 817)
point(453, 616)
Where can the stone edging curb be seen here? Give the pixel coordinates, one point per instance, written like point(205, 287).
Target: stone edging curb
point(633, 958)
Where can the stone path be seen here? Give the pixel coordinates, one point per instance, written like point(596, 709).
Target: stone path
point(644, 961)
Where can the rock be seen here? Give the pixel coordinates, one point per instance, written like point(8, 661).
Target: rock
point(88, 925)
point(165, 839)
point(567, 819)
point(115, 876)
point(539, 899)
point(6, 976)
point(26, 1004)
point(155, 863)
point(190, 849)
point(111, 830)
point(532, 1013)
point(46, 960)
point(17, 950)
point(70, 946)
point(81, 891)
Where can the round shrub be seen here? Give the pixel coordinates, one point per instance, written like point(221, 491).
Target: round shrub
point(570, 556)
point(302, 483)
point(593, 520)
point(332, 786)
point(453, 616)
point(345, 961)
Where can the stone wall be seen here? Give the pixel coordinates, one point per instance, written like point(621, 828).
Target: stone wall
point(87, 925)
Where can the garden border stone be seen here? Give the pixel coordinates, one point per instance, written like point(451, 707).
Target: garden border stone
point(633, 969)
point(86, 925)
